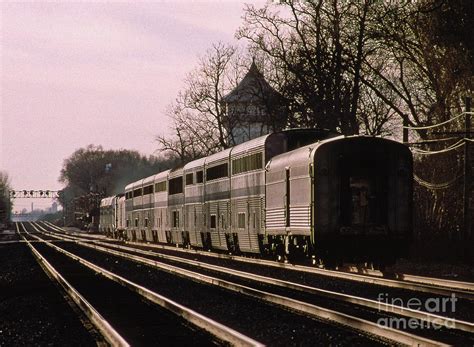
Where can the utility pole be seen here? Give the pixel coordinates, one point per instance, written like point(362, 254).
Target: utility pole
point(467, 174)
point(405, 131)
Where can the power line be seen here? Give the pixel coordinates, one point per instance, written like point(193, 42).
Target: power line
point(454, 146)
point(439, 124)
point(436, 186)
point(431, 141)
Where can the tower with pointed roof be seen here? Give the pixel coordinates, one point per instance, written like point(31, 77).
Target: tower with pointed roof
point(253, 108)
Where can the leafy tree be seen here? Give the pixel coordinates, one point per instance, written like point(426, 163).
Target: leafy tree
point(93, 169)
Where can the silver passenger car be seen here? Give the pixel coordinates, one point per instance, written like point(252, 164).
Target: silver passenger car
point(147, 208)
point(107, 223)
point(348, 197)
point(160, 208)
point(128, 210)
point(217, 198)
point(175, 228)
point(135, 212)
point(121, 217)
point(194, 202)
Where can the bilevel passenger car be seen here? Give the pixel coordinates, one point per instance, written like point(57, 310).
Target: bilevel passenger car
point(112, 216)
point(296, 192)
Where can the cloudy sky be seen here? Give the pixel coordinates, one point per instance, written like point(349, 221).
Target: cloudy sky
point(74, 74)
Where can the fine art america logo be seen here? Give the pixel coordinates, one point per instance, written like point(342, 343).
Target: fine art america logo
point(441, 307)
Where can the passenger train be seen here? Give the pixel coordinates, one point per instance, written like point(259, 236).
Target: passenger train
point(299, 192)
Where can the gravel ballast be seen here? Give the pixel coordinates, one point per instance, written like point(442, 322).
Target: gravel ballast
point(32, 309)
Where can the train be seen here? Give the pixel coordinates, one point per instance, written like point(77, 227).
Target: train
point(308, 193)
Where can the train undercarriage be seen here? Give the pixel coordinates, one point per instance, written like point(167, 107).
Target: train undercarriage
point(373, 251)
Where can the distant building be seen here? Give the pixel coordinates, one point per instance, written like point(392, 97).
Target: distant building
point(253, 108)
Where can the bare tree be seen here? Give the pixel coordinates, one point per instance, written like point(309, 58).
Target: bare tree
point(198, 115)
point(5, 202)
point(411, 72)
point(317, 49)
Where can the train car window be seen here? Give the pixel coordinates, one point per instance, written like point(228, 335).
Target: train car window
point(137, 192)
point(213, 221)
point(148, 190)
point(199, 177)
point(217, 171)
point(175, 219)
point(146, 222)
point(176, 185)
point(247, 163)
point(128, 223)
point(189, 179)
point(241, 221)
point(136, 222)
point(160, 187)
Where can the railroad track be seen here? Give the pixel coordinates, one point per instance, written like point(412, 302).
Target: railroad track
point(194, 270)
point(165, 322)
point(403, 281)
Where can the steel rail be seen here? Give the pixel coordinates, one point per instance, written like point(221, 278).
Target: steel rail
point(441, 282)
point(372, 304)
point(292, 304)
point(410, 282)
point(219, 330)
point(104, 327)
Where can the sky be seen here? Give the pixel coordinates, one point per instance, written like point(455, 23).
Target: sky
point(76, 73)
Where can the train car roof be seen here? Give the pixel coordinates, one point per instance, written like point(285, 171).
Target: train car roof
point(176, 172)
point(301, 154)
point(162, 176)
point(149, 179)
point(218, 156)
point(107, 201)
point(137, 184)
point(195, 163)
point(252, 144)
point(129, 186)
point(298, 155)
point(304, 153)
